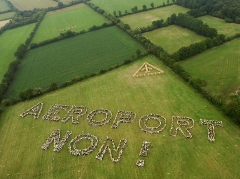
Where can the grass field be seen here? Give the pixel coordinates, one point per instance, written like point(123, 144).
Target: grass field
point(21, 155)
point(9, 42)
point(31, 4)
point(173, 37)
point(149, 16)
point(220, 67)
point(80, 16)
point(81, 55)
point(117, 5)
point(3, 6)
point(8, 15)
point(222, 27)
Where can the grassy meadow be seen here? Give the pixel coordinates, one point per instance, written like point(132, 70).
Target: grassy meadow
point(121, 5)
point(31, 4)
point(173, 37)
point(3, 6)
point(220, 67)
point(7, 15)
point(21, 155)
point(9, 42)
point(81, 16)
point(222, 27)
point(77, 56)
point(148, 17)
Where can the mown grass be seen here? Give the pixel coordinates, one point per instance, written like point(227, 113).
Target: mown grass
point(222, 27)
point(173, 37)
point(3, 6)
point(29, 5)
point(220, 67)
point(80, 16)
point(149, 16)
point(7, 15)
point(9, 42)
point(116, 5)
point(21, 155)
point(77, 56)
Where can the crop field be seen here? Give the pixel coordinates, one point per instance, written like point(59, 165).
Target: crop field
point(21, 155)
point(29, 5)
point(148, 17)
point(9, 42)
point(222, 27)
point(73, 17)
point(121, 5)
point(8, 15)
point(80, 55)
point(173, 37)
point(220, 67)
point(3, 6)
point(3, 22)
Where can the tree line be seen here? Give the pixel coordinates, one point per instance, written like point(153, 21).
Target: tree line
point(224, 9)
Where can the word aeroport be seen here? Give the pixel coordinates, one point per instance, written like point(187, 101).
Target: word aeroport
point(182, 124)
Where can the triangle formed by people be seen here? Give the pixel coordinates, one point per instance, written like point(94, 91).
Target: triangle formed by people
point(147, 69)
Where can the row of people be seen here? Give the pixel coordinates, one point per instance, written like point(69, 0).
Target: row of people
point(106, 147)
point(107, 119)
point(152, 130)
point(75, 110)
point(210, 127)
point(181, 121)
point(55, 136)
point(123, 117)
point(86, 151)
point(140, 163)
point(144, 149)
point(35, 111)
point(53, 112)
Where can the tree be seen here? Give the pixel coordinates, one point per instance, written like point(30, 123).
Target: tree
point(167, 1)
point(126, 12)
point(138, 52)
point(115, 13)
point(60, 4)
point(53, 86)
point(152, 5)
point(144, 7)
point(120, 13)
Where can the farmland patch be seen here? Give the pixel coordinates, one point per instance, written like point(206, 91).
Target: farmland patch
point(220, 67)
point(164, 94)
point(7, 15)
point(173, 37)
point(3, 6)
point(152, 15)
point(74, 57)
point(29, 5)
point(79, 16)
point(222, 27)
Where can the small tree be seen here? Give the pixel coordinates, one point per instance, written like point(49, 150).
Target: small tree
point(144, 7)
point(115, 13)
point(120, 13)
point(152, 5)
point(126, 12)
point(138, 52)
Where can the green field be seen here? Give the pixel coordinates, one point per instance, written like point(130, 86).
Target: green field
point(31, 4)
point(81, 55)
point(80, 16)
point(21, 155)
point(149, 16)
point(9, 42)
point(173, 37)
point(220, 67)
point(3, 6)
point(8, 15)
point(222, 27)
point(122, 5)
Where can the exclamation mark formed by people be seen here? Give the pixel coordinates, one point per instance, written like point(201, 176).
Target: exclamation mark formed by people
point(143, 153)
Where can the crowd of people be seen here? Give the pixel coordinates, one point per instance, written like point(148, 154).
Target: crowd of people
point(68, 28)
point(181, 121)
point(35, 111)
point(75, 110)
point(107, 119)
point(144, 149)
point(123, 117)
point(53, 112)
point(210, 127)
point(140, 163)
point(152, 130)
point(106, 147)
point(55, 136)
point(86, 151)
